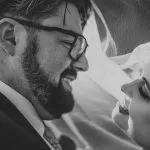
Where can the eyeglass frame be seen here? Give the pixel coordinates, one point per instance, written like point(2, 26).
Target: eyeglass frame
point(49, 29)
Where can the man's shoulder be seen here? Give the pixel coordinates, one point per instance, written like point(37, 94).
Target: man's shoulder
point(14, 136)
point(15, 131)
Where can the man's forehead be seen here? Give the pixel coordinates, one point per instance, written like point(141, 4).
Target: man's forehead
point(67, 17)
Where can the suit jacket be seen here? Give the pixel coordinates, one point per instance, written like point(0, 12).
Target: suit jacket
point(16, 133)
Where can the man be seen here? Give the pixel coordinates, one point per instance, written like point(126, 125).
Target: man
point(41, 51)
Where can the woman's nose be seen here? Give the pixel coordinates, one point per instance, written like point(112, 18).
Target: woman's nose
point(132, 87)
point(126, 88)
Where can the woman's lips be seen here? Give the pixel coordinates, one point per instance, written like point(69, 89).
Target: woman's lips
point(145, 89)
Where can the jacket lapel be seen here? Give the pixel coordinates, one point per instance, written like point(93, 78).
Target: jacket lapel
point(10, 110)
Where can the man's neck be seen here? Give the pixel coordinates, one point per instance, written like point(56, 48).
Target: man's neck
point(41, 111)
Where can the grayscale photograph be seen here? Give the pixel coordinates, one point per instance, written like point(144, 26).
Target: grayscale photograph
point(74, 75)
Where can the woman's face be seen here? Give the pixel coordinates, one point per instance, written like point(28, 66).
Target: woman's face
point(139, 110)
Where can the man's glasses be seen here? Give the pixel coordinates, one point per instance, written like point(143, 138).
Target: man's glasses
point(78, 46)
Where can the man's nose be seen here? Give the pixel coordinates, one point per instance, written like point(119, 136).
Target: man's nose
point(81, 64)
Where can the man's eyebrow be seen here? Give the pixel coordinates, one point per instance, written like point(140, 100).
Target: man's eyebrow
point(68, 36)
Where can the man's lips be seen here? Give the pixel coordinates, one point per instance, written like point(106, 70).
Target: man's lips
point(69, 74)
point(66, 83)
point(69, 77)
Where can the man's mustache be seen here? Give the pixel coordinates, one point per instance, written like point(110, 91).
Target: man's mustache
point(70, 72)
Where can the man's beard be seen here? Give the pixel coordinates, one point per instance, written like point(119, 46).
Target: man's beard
point(56, 100)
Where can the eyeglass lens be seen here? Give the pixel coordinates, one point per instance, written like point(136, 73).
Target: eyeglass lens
point(79, 48)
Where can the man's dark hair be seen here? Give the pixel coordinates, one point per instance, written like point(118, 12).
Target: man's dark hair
point(36, 9)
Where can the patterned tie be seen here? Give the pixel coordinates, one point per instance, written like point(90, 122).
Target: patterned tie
point(63, 143)
point(50, 137)
point(66, 143)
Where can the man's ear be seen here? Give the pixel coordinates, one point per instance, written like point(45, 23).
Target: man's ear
point(8, 35)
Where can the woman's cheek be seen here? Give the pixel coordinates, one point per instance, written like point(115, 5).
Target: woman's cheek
point(140, 113)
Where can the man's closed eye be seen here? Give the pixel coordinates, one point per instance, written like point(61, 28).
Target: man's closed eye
point(67, 44)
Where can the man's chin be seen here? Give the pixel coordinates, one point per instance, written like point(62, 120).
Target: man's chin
point(47, 112)
point(57, 110)
point(56, 101)
point(60, 102)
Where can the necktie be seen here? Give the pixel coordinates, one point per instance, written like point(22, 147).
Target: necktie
point(63, 143)
point(66, 143)
point(50, 137)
